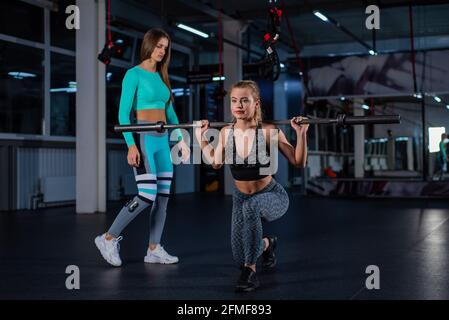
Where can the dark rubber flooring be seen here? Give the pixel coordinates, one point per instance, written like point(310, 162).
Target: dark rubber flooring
point(324, 248)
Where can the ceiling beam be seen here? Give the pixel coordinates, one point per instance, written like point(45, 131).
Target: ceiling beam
point(307, 7)
point(206, 9)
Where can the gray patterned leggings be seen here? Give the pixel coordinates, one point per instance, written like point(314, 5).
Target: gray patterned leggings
point(248, 212)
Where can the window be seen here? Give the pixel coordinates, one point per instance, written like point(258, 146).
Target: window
point(137, 52)
point(59, 34)
point(179, 63)
point(124, 42)
point(63, 95)
point(181, 94)
point(21, 88)
point(114, 77)
point(22, 20)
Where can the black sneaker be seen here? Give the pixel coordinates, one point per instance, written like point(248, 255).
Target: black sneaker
point(248, 281)
point(268, 257)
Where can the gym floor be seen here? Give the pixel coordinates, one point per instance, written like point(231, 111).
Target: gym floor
point(325, 246)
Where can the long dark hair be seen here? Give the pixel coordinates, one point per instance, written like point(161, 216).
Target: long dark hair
point(150, 40)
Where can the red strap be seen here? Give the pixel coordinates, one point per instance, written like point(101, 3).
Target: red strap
point(266, 37)
point(220, 49)
point(108, 25)
point(298, 59)
point(278, 12)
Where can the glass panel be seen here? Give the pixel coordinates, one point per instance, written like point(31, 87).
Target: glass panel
point(179, 64)
point(181, 94)
point(21, 88)
point(394, 150)
point(114, 77)
point(22, 20)
point(137, 52)
point(63, 95)
point(125, 43)
point(60, 35)
point(437, 128)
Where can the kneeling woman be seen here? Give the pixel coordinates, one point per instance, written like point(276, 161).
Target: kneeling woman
point(257, 197)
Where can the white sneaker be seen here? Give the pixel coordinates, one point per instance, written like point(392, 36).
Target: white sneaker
point(159, 255)
point(109, 249)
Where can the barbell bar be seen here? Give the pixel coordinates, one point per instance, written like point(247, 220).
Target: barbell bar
point(340, 120)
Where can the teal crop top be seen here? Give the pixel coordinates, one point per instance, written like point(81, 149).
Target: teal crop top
point(142, 90)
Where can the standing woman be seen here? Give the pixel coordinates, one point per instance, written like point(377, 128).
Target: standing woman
point(146, 89)
point(257, 197)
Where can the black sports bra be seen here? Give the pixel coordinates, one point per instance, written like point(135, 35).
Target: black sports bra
point(248, 169)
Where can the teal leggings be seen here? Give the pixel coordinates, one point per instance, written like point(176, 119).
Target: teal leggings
point(153, 178)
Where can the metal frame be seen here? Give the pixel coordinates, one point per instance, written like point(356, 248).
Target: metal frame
point(350, 97)
point(341, 120)
point(45, 4)
point(46, 121)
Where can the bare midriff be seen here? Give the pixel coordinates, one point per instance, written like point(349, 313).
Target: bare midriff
point(152, 115)
point(251, 187)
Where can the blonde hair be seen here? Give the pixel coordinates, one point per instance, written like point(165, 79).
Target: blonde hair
point(249, 84)
point(150, 40)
